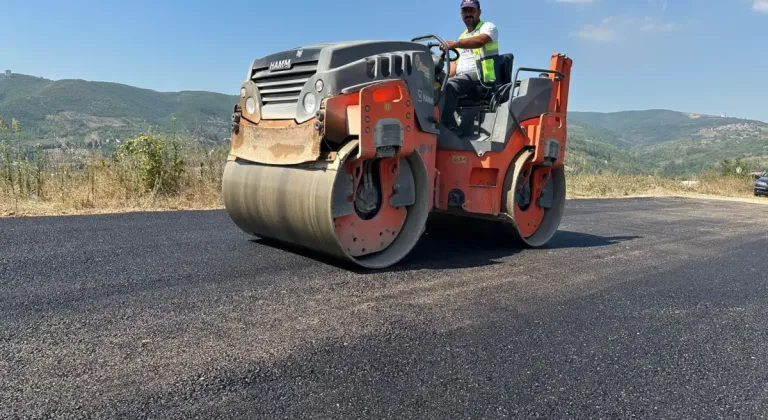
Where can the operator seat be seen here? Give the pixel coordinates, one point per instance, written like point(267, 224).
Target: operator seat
point(482, 98)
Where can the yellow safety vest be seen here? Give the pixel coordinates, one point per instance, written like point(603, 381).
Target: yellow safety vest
point(485, 63)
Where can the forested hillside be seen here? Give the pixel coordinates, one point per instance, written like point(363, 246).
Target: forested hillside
point(669, 142)
point(77, 113)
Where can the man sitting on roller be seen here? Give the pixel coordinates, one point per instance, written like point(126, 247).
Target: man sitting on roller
point(478, 61)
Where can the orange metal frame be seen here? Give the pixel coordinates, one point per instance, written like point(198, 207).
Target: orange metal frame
point(357, 115)
point(481, 178)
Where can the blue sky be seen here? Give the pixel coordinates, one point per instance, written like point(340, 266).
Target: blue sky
point(703, 56)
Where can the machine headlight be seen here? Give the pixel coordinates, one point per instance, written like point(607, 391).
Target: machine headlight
point(250, 105)
point(319, 85)
point(762, 184)
point(309, 102)
point(242, 92)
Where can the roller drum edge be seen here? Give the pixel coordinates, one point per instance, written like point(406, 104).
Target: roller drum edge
point(552, 216)
point(293, 205)
point(288, 204)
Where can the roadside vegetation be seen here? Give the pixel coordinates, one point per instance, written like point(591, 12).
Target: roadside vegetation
point(154, 171)
point(588, 185)
point(148, 172)
point(731, 178)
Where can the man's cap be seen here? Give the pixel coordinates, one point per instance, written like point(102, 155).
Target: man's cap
point(470, 3)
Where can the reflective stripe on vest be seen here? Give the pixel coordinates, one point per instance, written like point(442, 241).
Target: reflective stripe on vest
point(485, 63)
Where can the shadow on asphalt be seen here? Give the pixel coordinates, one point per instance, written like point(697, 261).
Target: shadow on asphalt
point(567, 239)
point(441, 250)
point(476, 244)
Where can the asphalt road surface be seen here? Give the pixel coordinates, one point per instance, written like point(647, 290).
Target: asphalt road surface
point(640, 308)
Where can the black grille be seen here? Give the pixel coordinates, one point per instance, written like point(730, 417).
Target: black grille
point(283, 87)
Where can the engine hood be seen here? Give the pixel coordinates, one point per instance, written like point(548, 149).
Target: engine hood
point(328, 55)
point(290, 84)
point(298, 55)
point(310, 53)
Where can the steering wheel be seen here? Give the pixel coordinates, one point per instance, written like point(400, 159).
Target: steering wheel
point(445, 53)
point(442, 75)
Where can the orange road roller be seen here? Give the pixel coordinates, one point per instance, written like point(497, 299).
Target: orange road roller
point(339, 148)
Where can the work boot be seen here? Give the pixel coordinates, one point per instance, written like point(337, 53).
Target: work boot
point(457, 130)
point(453, 128)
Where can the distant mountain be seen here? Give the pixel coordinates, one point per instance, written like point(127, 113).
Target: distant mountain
point(593, 148)
point(659, 125)
point(84, 113)
point(670, 142)
point(85, 110)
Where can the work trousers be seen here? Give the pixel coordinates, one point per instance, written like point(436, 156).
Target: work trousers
point(459, 85)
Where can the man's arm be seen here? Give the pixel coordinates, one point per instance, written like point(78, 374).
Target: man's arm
point(471, 43)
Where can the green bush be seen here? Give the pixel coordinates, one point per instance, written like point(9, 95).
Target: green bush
point(159, 162)
point(735, 168)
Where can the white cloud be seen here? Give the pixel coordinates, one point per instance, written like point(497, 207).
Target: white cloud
point(650, 25)
point(760, 6)
point(599, 33)
point(616, 28)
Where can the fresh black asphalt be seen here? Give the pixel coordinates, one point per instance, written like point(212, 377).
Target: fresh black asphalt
point(639, 308)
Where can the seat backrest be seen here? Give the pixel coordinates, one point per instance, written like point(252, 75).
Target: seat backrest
point(505, 68)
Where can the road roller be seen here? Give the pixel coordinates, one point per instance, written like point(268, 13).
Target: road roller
point(339, 148)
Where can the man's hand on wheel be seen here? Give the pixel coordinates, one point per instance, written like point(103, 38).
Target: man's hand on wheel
point(451, 45)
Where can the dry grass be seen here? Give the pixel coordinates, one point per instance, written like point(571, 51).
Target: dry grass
point(617, 185)
point(86, 181)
